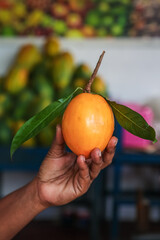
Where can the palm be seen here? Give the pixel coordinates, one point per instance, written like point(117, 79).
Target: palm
point(64, 177)
point(61, 179)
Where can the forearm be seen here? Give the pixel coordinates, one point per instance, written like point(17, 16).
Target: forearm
point(18, 209)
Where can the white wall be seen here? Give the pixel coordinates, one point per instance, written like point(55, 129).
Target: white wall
point(131, 69)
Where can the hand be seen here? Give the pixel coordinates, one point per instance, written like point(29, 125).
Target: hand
point(64, 177)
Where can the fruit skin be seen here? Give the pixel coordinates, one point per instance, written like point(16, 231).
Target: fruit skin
point(62, 69)
point(74, 33)
point(99, 86)
point(43, 88)
point(82, 71)
point(79, 6)
point(59, 10)
point(19, 10)
point(5, 104)
point(60, 27)
point(5, 17)
point(88, 123)
point(41, 4)
point(117, 30)
point(22, 104)
point(5, 133)
point(16, 80)
point(79, 82)
point(93, 18)
point(40, 80)
point(74, 20)
point(38, 104)
point(51, 47)
point(28, 56)
point(34, 18)
point(88, 31)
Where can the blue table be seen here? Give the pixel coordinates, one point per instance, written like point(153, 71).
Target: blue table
point(30, 159)
point(123, 157)
point(25, 159)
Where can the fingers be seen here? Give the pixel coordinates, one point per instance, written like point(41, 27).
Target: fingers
point(99, 162)
point(83, 169)
point(96, 163)
point(84, 176)
point(89, 170)
point(109, 152)
point(58, 146)
point(59, 136)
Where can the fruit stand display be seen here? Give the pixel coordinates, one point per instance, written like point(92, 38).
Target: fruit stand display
point(36, 78)
point(145, 18)
point(72, 18)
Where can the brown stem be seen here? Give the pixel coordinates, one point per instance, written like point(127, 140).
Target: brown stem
point(89, 84)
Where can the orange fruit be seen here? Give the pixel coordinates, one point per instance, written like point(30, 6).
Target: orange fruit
point(87, 123)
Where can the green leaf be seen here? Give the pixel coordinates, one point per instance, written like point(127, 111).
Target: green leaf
point(132, 121)
point(39, 121)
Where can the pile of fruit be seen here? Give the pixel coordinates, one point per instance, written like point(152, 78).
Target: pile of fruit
point(35, 79)
point(145, 18)
point(69, 18)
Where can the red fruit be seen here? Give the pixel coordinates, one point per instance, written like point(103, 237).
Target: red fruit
point(88, 31)
point(79, 6)
point(5, 4)
point(59, 10)
point(40, 4)
point(74, 20)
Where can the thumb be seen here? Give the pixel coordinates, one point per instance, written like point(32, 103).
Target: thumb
point(58, 146)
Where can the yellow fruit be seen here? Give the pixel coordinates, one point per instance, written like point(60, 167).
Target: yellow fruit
point(79, 82)
point(34, 18)
point(82, 71)
point(19, 10)
point(61, 70)
point(5, 17)
point(29, 143)
point(17, 125)
point(51, 47)
point(22, 104)
point(16, 80)
point(88, 123)
point(38, 104)
point(28, 56)
point(5, 133)
point(5, 104)
point(98, 86)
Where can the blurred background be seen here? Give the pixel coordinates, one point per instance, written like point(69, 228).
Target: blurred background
point(47, 49)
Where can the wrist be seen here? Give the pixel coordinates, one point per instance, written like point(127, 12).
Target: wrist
point(39, 205)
